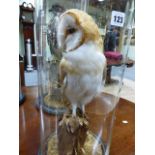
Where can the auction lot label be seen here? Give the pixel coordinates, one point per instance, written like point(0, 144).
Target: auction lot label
point(117, 18)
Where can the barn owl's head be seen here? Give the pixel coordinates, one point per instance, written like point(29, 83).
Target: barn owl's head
point(76, 28)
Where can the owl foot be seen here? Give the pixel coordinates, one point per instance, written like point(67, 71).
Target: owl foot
point(73, 130)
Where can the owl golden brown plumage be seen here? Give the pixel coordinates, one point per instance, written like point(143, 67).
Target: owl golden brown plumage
point(83, 62)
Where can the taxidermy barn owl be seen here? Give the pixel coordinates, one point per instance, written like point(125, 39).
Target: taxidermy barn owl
point(83, 63)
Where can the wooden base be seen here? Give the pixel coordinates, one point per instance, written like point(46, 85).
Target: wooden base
point(52, 106)
point(54, 103)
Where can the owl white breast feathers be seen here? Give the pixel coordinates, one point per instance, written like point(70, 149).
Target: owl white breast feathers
point(83, 63)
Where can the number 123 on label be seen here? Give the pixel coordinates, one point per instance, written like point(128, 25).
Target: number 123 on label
point(117, 18)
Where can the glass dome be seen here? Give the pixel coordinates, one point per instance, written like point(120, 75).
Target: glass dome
point(78, 43)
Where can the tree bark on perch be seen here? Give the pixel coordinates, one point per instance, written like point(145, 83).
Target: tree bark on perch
point(72, 133)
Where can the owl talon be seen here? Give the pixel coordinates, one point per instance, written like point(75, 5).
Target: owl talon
point(72, 125)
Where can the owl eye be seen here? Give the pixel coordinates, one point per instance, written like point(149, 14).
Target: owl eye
point(71, 30)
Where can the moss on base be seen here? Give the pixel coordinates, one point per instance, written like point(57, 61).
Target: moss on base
point(90, 143)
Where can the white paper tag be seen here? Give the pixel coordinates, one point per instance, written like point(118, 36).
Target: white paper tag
point(117, 18)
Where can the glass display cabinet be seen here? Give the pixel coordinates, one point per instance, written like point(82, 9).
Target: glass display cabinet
point(78, 42)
